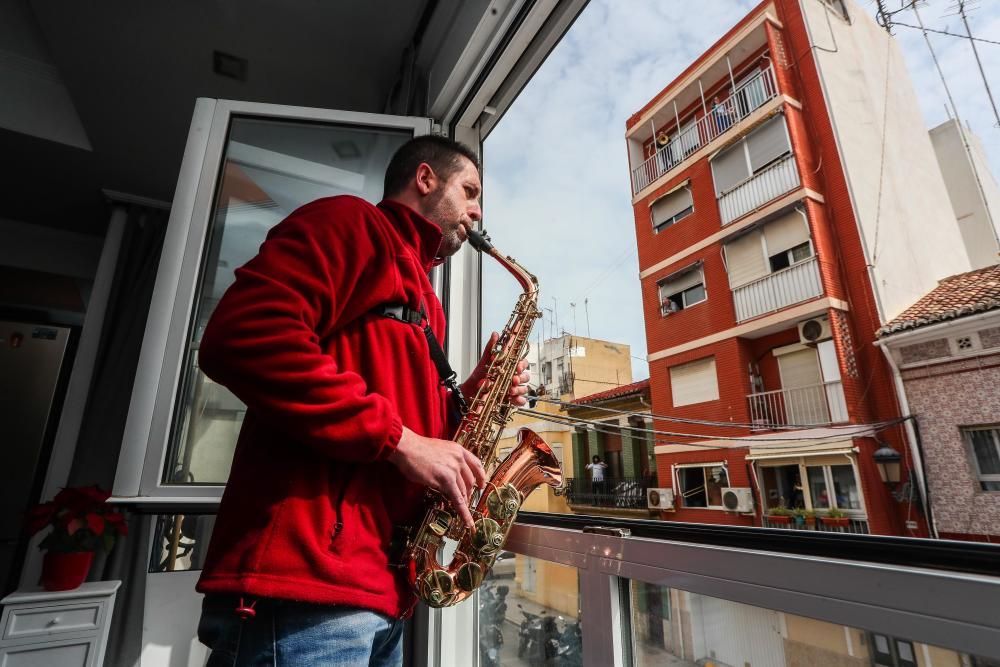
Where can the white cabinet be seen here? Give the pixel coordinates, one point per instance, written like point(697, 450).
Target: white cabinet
point(57, 629)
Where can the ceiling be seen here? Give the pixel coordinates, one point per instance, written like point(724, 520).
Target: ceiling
point(133, 71)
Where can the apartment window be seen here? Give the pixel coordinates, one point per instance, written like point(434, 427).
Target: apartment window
point(694, 382)
point(826, 487)
point(891, 652)
point(786, 258)
point(777, 245)
point(682, 290)
point(701, 486)
point(985, 445)
point(750, 154)
point(671, 208)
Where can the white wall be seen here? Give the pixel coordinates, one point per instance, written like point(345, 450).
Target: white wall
point(908, 228)
point(977, 216)
point(38, 248)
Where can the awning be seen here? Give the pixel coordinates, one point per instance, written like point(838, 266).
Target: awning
point(797, 448)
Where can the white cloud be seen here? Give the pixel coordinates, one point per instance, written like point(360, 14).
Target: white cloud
point(556, 175)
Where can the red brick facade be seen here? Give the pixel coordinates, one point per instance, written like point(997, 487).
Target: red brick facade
point(865, 375)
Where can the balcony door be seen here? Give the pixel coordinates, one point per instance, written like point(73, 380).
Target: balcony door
point(802, 385)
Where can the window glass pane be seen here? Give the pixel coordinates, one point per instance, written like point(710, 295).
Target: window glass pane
point(801, 252)
point(984, 444)
point(845, 487)
point(271, 168)
point(694, 295)
point(684, 629)
point(692, 483)
point(180, 541)
point(529, 614)
point(818, 492)
point(715, 480)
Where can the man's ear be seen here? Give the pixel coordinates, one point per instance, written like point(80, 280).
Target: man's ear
point(426, 179)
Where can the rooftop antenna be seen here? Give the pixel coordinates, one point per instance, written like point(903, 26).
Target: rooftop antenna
point(975, 51)
point(587, 313)
point(572, 306)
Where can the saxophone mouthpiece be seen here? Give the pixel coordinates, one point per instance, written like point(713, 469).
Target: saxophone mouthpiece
point(480, 241)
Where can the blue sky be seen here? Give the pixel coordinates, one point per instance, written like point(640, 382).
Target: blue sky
point(556, 178)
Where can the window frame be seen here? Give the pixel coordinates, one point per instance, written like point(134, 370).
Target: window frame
point(682, 294)
point(743, 144)
point(804, 463)
point(982, 478)
point(677, 467)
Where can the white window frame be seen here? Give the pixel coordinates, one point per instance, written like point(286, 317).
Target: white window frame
point(147, 436)
point(744, 145)
point(804, 462)
point(674, 219)
point(704, 466)
point(981, 477)
point(664, 312)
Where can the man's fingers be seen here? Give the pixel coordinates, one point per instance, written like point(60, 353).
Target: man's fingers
point(477, 468)
point(458, 503)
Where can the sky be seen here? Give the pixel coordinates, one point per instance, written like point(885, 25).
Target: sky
point(555, 170)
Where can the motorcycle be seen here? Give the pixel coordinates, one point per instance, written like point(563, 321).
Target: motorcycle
point(492, 614)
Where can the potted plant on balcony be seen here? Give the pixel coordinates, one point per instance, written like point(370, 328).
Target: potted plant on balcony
point(81, 523)
point(835, 517)
point(779, 516)
point(804, 517)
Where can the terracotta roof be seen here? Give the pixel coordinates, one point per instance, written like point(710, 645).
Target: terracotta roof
point(954, 297)
point(617, 392)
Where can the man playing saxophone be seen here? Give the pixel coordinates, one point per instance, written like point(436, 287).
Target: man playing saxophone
point(324, 337)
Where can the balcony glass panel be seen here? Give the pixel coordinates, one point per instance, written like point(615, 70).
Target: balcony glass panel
point(529, 614)
point(683, 629)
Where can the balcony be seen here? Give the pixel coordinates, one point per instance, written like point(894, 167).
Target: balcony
point(767, 184)
point(615, 492)
point(855, 526)
point(743, 101)
point(797, 283)
point(812, 405)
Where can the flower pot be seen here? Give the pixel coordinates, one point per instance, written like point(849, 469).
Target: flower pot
point(784, 520)
point(65, 570)
point(839, 521)
point(810, 521)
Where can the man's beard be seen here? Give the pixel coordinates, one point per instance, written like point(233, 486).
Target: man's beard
point(447, 220)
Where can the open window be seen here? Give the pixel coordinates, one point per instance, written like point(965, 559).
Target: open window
point(682, 290)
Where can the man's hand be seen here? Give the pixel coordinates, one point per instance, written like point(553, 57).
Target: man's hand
point(442, 465)
point(518, 384)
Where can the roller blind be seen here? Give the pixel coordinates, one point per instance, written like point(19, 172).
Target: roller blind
point(799, 369)
point(730, 168)
point(665, 208)
point(745, 259)
point(681, 281)
point(695, 382)
point(768, 142)
point(785, 233)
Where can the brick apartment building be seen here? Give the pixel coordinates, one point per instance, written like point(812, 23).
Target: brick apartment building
point(787, 204)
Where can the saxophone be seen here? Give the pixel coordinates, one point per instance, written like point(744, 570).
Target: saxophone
point(495, 507)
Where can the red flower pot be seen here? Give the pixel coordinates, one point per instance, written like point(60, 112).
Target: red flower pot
point(839, 521)
point(64, 571)
point(772, 518)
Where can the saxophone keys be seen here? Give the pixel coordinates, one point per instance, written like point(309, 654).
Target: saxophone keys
point(469, 576)
point(487, 538)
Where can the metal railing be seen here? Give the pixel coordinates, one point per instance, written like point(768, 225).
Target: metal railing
point(812, 405)
point(767, 184)
point(746, 98)
point(777, 290)
point(849, 525)
point(617, 492)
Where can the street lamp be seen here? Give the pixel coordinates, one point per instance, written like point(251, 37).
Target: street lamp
point(888, 461)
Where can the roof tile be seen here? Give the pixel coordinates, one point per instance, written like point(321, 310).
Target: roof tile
point(954, 297)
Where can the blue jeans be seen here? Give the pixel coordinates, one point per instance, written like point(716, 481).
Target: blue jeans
point(295, 634)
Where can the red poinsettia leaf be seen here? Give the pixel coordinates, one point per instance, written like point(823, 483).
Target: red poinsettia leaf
point(73, 526)
point(95, 523)
point(38, 517)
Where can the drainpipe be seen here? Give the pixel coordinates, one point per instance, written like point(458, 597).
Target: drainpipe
point(912, 436)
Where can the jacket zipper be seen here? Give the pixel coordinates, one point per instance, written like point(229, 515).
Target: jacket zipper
point(339, 525)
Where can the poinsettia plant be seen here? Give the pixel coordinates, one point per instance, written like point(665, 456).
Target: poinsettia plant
point(81, 520)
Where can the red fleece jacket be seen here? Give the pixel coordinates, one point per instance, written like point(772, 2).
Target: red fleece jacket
point(311, 501)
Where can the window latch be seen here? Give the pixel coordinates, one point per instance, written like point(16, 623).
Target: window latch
point(607, 530)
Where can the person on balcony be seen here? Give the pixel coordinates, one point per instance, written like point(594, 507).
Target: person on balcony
point(597, 468)
point(347, 424)
point(722, 115)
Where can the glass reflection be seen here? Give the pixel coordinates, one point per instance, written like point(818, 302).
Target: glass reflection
point(270, 169)
point(180, 542)
point(529, 614)
point(679, 628)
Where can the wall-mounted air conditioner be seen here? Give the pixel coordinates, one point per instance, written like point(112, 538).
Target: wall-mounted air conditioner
point(660, 499)
point(814, 330)
point(737, 499)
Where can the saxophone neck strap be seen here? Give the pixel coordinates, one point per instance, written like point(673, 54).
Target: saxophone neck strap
point(403, 313)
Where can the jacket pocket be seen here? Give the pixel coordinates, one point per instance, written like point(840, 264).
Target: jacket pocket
point(338, 488)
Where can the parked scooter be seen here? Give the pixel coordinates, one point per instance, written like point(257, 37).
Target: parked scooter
point(492, 614)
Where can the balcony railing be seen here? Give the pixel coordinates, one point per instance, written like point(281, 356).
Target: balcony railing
point(767, 184)
point(614, 492)
point(812, 405)
point(851, 525)
point(743, 101)
point(791, 285)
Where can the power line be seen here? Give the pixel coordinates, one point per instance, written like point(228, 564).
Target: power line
point(945, 32)
point(696, 422)
point(975, 51)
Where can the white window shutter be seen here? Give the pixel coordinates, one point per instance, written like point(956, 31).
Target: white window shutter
point(799, 369)
point(768, 142)
point(729, 168)
point(694, 382)
point(667, 207)
point(681, 282)
point(745, 259)
point(785, 233)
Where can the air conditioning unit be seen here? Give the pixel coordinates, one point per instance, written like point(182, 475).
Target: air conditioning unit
point(814, 330)
point(737, 499)
point(660, 499)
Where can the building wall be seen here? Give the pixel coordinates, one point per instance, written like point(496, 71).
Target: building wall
point(909, 233)
point(972, 388)
point(976, 215)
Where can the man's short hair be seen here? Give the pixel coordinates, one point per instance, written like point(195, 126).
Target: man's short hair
point(442, 154)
